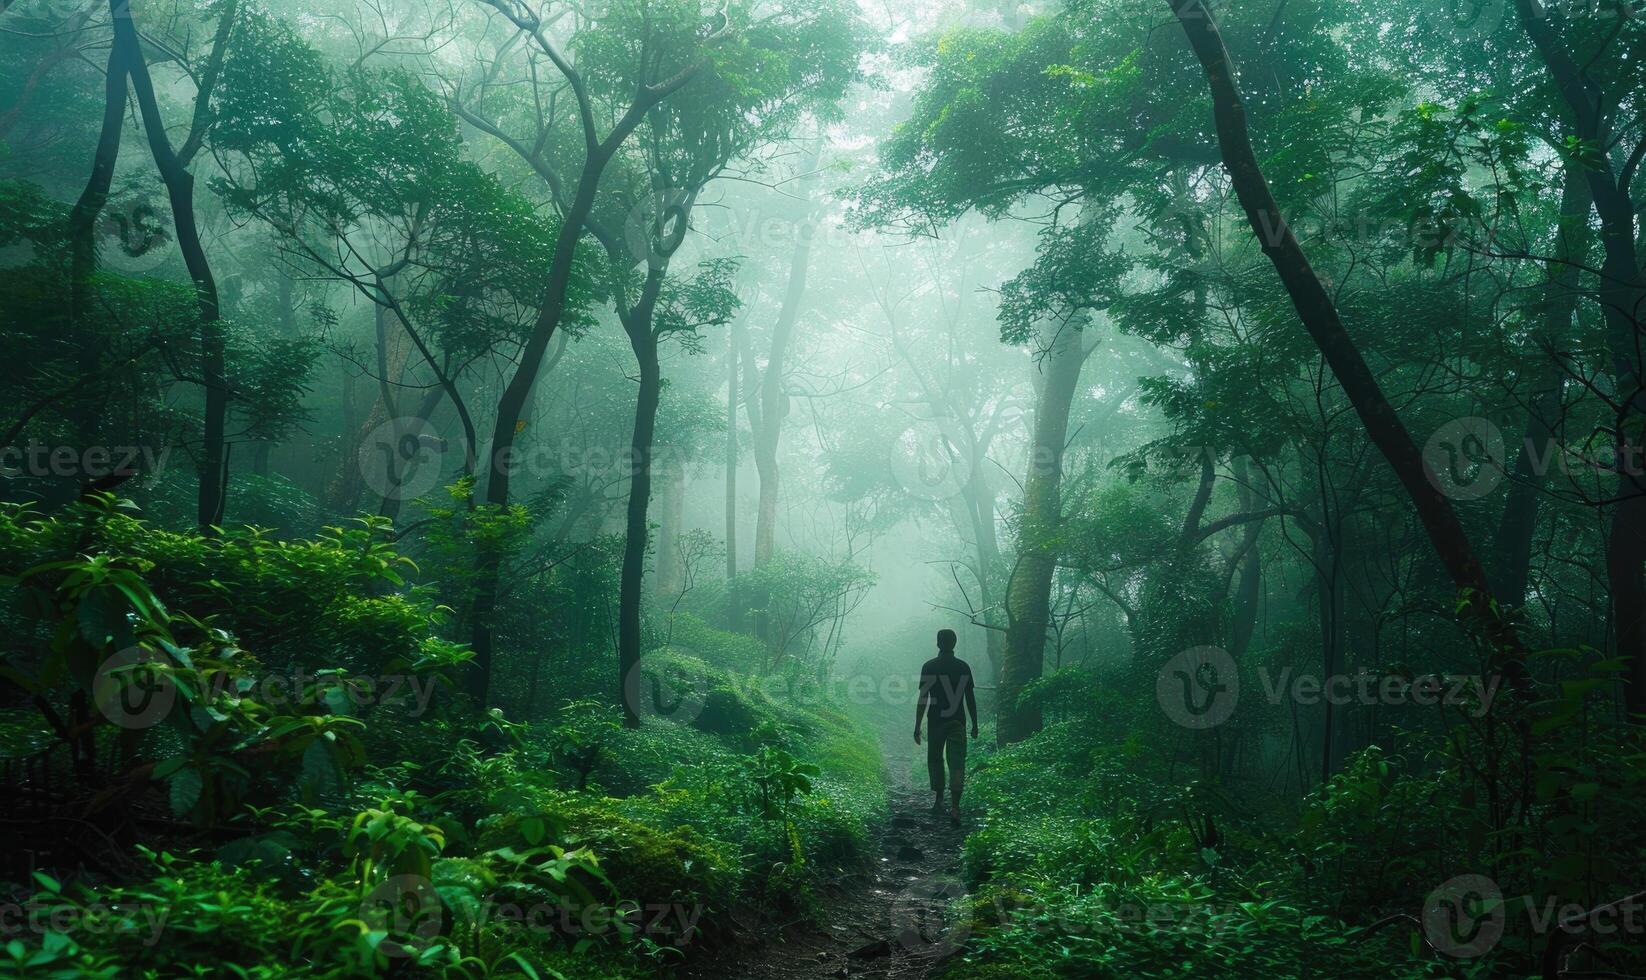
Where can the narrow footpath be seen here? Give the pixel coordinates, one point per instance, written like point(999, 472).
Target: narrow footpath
point(888, 921)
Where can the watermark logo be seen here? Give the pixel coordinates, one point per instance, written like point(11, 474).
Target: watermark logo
point(657, 226)
point(1464, 916)
point(921, 917)
point(1464, 459)
point(134, 234)
point(1199, 687)
point(665, 687)
point(406, 907)
point(931, 459)
point(133, 688)
point(400, 459)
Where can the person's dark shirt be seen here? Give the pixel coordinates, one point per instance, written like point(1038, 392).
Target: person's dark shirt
point(944, 682)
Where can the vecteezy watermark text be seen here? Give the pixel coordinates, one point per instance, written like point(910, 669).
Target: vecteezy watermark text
point(1200, 688)
point(83, 462)
point(39, 918)
point(134, 689)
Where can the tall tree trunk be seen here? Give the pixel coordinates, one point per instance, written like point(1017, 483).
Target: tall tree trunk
point(1028, 595)
point(173, 166)
point(671, 522)
point(774, 407)
point(731, 453)
point(773, 402)
point(512, 403)
point(1320, 318)
point(637, 322)
point(1622, 296)
point(1248, 591)
point(83, 233)
point(978, 500)
point(1189, 535)
point(1327, 559)
point(1518, 521)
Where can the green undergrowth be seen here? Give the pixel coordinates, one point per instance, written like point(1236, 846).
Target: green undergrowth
point(1090, 863)
point(1096, 857)
point(296, 830)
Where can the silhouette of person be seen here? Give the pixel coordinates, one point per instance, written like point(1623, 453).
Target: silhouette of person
point(946, 695)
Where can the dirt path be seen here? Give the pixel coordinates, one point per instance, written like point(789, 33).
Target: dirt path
point(886, 922)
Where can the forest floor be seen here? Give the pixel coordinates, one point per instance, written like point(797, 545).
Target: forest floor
point(886, 921)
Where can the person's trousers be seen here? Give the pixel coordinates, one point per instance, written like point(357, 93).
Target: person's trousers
point(947, 740)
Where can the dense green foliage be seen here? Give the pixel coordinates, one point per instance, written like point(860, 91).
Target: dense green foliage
point(479, 481)
point(361, 776)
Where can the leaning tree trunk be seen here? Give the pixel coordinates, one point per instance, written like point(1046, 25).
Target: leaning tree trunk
point(511, 406)
point(1319, 316)
point(1028, 593)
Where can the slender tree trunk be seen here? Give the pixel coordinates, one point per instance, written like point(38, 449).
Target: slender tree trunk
point(511, 403)
point(1622, 296)
point(731, 453)
point(173, 167)
point(1329, 598)
point(1518, 521)
point(387, 375)
point(671, 522)
point(345, 485)
point(774, 406)
point(83, 232)
point(978, 499)
point(638, 324)
point(511, 406)
point(1248, 591)
point(1189, 535)
point(634, 545)
point(1028, 595)
point(285, 308)
point(1320, 318)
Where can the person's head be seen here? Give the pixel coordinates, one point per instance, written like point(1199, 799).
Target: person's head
point(945, 641)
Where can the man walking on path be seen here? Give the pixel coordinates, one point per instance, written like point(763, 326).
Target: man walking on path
point(946, 688)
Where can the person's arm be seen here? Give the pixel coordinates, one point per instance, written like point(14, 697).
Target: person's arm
point(971, 699)
point(926, 681)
